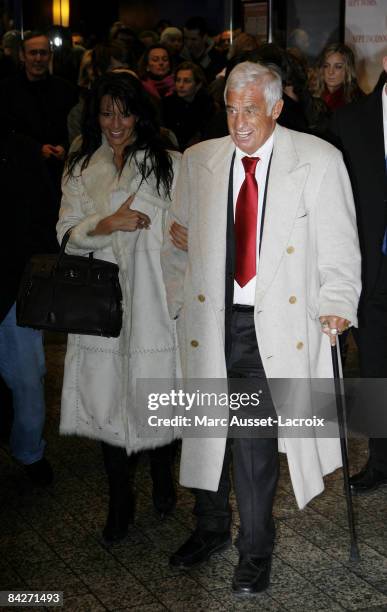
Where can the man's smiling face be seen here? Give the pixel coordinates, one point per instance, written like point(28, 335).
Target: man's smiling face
point(247, 119)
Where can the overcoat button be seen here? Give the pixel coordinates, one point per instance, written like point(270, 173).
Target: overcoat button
point(292, 299)
point(201, 298)
point(300, 345)
point(290, 250)
point(194, 343)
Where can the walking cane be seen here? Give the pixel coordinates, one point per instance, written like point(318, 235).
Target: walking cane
point(354, 551)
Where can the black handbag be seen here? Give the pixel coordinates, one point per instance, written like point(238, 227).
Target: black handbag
point(70, 293)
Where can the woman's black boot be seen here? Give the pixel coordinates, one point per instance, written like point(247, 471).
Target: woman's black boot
point(120, 470)
point(161, 468)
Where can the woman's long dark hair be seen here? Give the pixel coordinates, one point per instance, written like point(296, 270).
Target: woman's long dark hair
point(128, 93)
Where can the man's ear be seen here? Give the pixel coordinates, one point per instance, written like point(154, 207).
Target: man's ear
point(21, 54)
point(385, 63)
point(277, 108)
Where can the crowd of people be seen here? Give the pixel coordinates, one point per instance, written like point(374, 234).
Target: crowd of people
point(236, 261)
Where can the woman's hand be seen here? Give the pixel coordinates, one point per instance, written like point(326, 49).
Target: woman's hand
point(179, 236)
point(124, 220)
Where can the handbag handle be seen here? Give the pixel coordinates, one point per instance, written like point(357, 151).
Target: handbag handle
point(65, 239)
point(64, 242)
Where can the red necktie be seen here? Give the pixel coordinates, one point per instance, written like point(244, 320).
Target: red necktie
point(246, 224)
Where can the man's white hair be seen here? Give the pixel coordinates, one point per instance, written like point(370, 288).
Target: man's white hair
point(266, 77)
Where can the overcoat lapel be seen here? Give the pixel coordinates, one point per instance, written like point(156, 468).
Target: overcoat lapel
point(286, 177)
point(213, 220)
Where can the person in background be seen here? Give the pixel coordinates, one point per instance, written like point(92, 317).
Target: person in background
point(39, 103)
point(66, 58)
point(117, 190)
point(172, 38)
point(27, 208)
point(111, 55)
point(85, 79)
point(148, 38)
point(124, 36)
point(155, 72)
point(10, 53)
point(161, 25)
point(78, 40)
point(188, 110)
point(300, 39)
point(336, 81)
point(360, 131)
point(292, 115)
point(222, 42)
point(296, 87)
point(200, 49)
point(241, 45)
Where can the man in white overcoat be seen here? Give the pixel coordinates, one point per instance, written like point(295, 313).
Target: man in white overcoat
point(272, 263)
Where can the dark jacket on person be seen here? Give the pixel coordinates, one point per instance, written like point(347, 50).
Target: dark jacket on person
point(28, 211)
point(39, 110)
point(358, 131)
point(188, 119)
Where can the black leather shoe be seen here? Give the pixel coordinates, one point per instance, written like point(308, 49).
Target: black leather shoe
point(120, 516)
point(367, 480)
point(199, 547)
point(251, 576)
point(40, 472)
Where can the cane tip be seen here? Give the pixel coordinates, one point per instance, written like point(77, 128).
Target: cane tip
point(354, 555)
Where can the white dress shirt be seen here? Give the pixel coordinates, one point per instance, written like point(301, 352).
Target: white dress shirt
point(246, 295)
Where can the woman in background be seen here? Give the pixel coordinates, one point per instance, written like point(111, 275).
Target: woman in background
point(155, 71)
point(336, 81)
point(189, 109)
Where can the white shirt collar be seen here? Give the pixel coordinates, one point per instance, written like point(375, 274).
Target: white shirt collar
point(263, 152)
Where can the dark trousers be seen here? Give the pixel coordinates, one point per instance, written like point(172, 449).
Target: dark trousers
point(255, 460)
point(371, 338)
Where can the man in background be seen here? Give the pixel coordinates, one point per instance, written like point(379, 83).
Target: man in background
point(38, 103)
point(27, 208)
point(361, 132)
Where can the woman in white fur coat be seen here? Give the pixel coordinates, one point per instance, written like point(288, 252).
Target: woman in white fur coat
point(116, 193)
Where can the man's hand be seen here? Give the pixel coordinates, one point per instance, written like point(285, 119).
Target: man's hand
point(179, 236)
point(59, 152)
point(49, 150)
point(332, 326)
point(124, 219)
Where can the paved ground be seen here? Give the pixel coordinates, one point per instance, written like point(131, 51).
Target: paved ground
point(50, 539)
